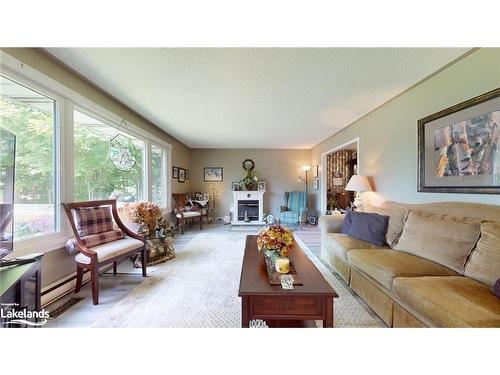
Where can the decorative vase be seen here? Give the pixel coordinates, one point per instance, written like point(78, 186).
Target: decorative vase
point(270, 257)
point(251, 186)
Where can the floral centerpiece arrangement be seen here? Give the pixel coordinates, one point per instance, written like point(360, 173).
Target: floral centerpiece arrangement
point(144, 213)
point(276, 242)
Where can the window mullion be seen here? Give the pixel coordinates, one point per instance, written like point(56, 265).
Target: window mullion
point(148, 171)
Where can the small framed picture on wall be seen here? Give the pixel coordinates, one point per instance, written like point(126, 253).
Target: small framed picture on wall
point(213, 174)
point(235, 186)
point(175, 172)
point(315, 171)
point(316, 184)
point(186, 174)
point(182, 175)
point(262, 186)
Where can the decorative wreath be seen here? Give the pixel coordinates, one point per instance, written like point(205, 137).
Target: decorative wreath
point(248, 165)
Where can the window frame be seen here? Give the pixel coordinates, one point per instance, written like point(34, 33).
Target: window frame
point(67, 100)
point(31, 243)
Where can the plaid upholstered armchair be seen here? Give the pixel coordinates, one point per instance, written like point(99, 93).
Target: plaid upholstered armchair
point(101, 238)
point(294, 210)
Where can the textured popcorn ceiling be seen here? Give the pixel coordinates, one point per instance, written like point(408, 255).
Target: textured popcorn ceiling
point(255, 97)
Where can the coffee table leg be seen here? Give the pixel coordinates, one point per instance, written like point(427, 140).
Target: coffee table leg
point(328, 322)
point(245, 312)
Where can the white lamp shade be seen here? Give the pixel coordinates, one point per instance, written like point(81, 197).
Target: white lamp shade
point(358, 183)
point(306, 168)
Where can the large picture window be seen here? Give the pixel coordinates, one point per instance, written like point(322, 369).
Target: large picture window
point(96, 177)
point(62, 154)
point(30, 116)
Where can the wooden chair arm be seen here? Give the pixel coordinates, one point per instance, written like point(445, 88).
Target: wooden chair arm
point(85, 250)
point(124, 228)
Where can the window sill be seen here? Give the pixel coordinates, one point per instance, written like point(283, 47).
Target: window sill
point(42, 244)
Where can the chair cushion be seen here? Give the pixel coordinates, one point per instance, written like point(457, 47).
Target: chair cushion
point(290, 217)
point(340, 244)
point(397, 217)
point(450, 301)
point(189, 214)
point(383, 265)
point(111, 250)
point(94, 240)
point(93, 220)
point(446, 240)
point(484, 263)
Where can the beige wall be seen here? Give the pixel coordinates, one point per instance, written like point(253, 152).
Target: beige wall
point(58, 264)
point(280, 168)
point(388, 135)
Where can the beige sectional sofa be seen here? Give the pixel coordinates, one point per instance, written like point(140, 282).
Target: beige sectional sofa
point(437, 269)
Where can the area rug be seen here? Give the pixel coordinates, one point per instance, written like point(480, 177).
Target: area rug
point(199, 288)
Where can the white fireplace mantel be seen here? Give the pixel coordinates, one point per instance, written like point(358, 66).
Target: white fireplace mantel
point(239, 196)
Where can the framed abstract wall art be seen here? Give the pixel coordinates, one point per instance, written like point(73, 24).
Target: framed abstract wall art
point(459, 148)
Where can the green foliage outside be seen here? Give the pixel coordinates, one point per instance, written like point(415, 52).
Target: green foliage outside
point(95, 176)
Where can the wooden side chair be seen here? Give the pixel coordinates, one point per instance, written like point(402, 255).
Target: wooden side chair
point(184, 211)
point(98, 242)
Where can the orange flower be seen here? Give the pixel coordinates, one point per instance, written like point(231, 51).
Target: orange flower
point(277, 238)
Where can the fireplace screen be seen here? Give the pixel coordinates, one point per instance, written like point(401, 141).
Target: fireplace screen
point(251, 207)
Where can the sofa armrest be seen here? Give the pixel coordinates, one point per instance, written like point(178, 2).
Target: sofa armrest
point(331, 223)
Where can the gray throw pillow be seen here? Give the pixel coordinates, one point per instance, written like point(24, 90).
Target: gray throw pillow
point(369, 227)
point(496, 288)
point(346, 224)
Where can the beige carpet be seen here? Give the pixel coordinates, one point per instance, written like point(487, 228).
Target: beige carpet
point(199, 288)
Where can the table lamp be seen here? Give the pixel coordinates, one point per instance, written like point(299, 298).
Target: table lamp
point(358, 184)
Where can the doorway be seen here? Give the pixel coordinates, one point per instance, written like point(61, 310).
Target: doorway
point(338, 165)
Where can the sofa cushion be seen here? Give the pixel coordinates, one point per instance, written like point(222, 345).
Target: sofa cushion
point(111, 250)
point(451, 301)
point(484, 263)
point(397, 217)
point(369, 227)
point(446, 240)
point(383, 265)
point(340, 244)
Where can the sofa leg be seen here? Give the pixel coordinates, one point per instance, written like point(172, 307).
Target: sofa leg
point(94, 276)
point(79, 278)
point(115, 264)
point(201, 221)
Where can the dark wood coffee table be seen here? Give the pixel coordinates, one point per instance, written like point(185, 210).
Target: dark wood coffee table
point(300, 306)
